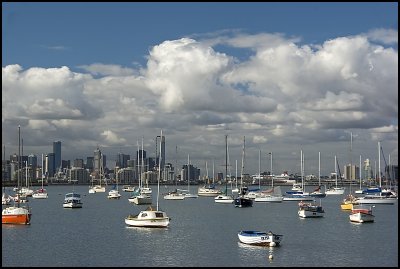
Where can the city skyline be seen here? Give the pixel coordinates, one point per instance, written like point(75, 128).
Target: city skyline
point(288, 77)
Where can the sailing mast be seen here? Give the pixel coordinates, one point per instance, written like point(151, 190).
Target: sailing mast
point(226, 164)
point(159, 170)
point(241, 172)
point(19, 164)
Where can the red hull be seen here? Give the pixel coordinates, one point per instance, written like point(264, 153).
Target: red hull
point(16, 219)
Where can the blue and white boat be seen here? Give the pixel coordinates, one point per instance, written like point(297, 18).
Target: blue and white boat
point(258, 238)
point(72, 200)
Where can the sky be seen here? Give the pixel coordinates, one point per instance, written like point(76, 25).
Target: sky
point(286, 78)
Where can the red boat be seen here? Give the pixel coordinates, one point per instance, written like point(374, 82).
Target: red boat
point(15, 215)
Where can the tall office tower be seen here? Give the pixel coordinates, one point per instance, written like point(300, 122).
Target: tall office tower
point(89, 163)
point(96, 160)
point(122, 160)
point(57, 154)
point(50, 168)
point(162, 152)
point(32, 161)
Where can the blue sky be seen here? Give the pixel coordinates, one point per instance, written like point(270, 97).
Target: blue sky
point(288, 76)
point(55, 34)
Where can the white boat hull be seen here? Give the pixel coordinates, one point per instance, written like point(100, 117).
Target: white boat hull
point(378, 200)
point(208, 192)
point(259, 238)
point(271, 199)
point(361, 217)
point(298, 198)
point(150, 219)
point(40, 195)
point(174, 196)
point(224, 199)
point(141, 200)
point(335, 191)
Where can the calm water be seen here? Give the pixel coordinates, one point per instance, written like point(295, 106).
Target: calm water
point(201, 233)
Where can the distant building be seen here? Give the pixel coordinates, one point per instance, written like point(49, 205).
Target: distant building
point(57, 154)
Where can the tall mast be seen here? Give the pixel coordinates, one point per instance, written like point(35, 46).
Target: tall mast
point(319, 169)
point(159, 172)
point(241, 173)
point(259, 169)
point(19, 161)
point(226, 164)
point(379, 163)
point(143, 162)
point(336, 170)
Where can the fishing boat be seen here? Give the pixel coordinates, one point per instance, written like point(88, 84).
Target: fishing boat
point(72, 200)
point(152, 218)
point(258, 238)
point(17, 214)
point(310, 210)
point(361, 214)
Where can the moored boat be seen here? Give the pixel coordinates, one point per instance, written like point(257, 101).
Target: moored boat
point(260, 238)
point(148, 218)
point(16, 215)
point(72, 200)
point(361, 214)
point(310, 210)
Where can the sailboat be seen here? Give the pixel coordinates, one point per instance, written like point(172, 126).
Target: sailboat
point(272, 195)
point(99, 187)
point(150, 217)
point(17, 214)
point(225, 198)
point(208, 189)
point(241, 200)
point(42, 192)
point(317, 192)
point(299, 195)
point(378, 198)
point(114, 192)
point(188, 194)
point(138, 196)
point(335, 190)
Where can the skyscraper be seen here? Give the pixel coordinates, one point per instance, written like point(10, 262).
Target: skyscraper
point(57, 154)
point(162, 152)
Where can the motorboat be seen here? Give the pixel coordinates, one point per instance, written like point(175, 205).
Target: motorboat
point(174, 195)
point(72, 200)
point(348, 202)
point(208, 190)
point(16, 215)
point(361, 214)
point(40, 194)
point(310, 210)
point(128, 188)
point(224, 199)
point(113, 194)
point(260, 238)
